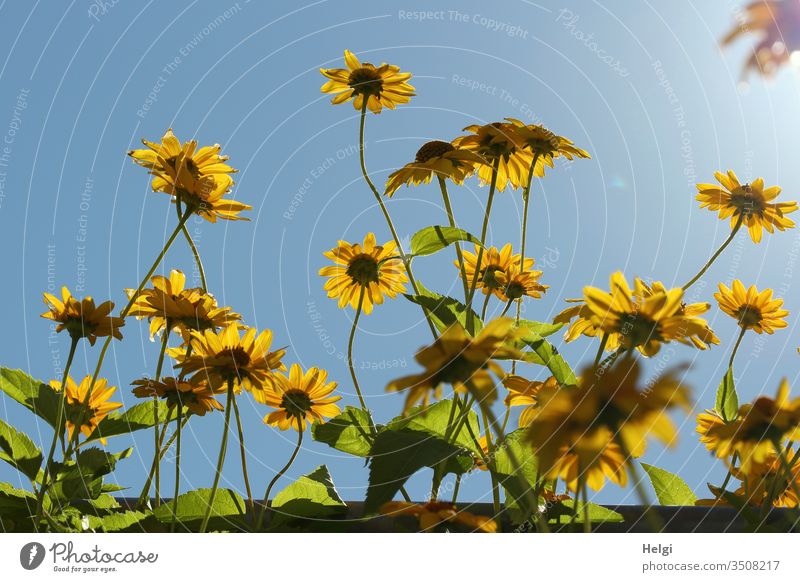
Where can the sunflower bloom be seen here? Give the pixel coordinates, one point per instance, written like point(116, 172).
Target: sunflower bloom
point(498, 144)
point(86, 418)
point(195, 395)
point(436, 514)
point(169, 304)
point(578, 432)
point(383, 86)
point(364, 273)
point(707, 423)
point(225, 356)
point(299, 397)
point(500, 274)
point(524, 392)
point(752, 309)
point(197, 178)
point(438, 159)
point(546, 145)
point(747, 205)
point(757, 428)
point(458, 359)
point(641, 322)
point(82, 318)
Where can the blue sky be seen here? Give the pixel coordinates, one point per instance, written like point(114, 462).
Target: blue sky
point(643, 86)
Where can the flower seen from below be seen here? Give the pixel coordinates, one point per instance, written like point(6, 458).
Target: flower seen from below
point(195, 395)
point(750, 308)
point(364, 274)
point(86, 418)
point(383, 86)
point(750, 205)
point(81, 318)
point(299, 397)
point(545, 144)
point(500, 274)
point(498, 144)
point(435, 159)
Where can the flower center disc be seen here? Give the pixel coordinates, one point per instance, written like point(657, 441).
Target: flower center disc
point(296, 403)
point(366, 81)
point(433, 149)
point(748, 316)
point(363, 269)
point(637, 329)
point(746, 200)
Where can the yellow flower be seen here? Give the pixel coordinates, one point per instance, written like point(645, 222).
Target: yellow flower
point(456, 358)
point(579, 431)
point(438, 159)
point(747, 204)
point(380, 86)
point(545, 144)
point(82, 318)
point(757, 428)
point(498, 143)
point(198, 178)
point(298, 398)
point(643, 322)
point(500, 273)
point(516, 284)
point(224, 356)
point(194, 394)
point(86, 418)
point(752, 309)
point(377, 270)
point(775, 22)
point(170, 303)
point(434, 514)
point(524, 392)
point(706, 421)
point(768, 480)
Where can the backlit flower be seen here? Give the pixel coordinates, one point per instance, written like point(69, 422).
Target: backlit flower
point(500, 273)
point(750, 205)
point(194, 394)
point(524, 392)
point(498, 144)
point(439, 515)
point(545, 144)
point(383, 86)
point(82, 318)
point(299, 397)
point(752, 309)
point(86, 418)
point(369, 270)
point(435, 159)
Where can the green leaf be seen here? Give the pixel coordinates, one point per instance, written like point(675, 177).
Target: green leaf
point(18, 450)
point(228, 509)
point(432, 239)
point(349, 432)
point(135, 418)
point(36, 396)
point(433, 421)
point(120, 521)
point(311, 496)
point(550, 357)
point(83, 477)
point(727, 405)
point(597, 513)
point(16, 501)
point(517, 495)
point(398, 454)
point(444, 311)
point(540, 329)
point(670, 489)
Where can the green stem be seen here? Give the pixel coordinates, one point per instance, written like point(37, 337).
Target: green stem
point(484, 230)
point(490, 445)
point(221, 459)
point(177, 469)
point(485, 305)
point(350, 365)
point(713, 258)
point(58, 430)
point(587, 522)
point(195, 252)
point(448, 431)
point(601, 348)
point(653, 518)
point(385, 211)
point(455, 489)
point(451, 219)
point(124, 313)
point(266, 503)
point(156, 423)
point(787, 469)
point(243, 455)
point(736, 347)
point(141, 502)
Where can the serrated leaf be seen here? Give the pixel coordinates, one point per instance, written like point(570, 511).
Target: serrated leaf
point(670, 489)
point(597, 513)
point(135, 418)
point(349, 432)
point(120, 521)
point(727, 404)
point(227, 511)
point(18, 450)
point(83, 477)
point(398, 454)
point(15, 501)
point(311, 496)
point(433, 421)
point(36, 396)
point(433, 239)
point(517, 495)
point(444, 311)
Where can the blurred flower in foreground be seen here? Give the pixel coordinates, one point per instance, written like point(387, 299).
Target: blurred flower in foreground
point(435, 159)
point(82, 318)
point(436, 513)
point(86, 418)
point(777, 24)
point(197, 178)
point(524, 392)
point(458, 359)
point(747, 205)
point(752, 309)
point(383, 86)
point(364, 273)
point(299, 398)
